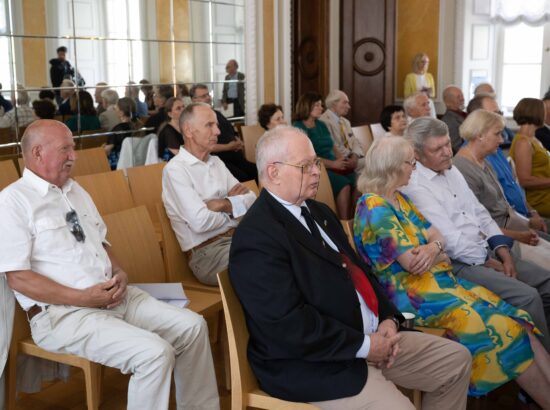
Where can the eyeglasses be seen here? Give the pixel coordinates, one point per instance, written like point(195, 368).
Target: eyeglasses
point(76, 228)
point(412, 163)
point(306, 168)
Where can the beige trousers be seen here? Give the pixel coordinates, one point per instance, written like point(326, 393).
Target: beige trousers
point(207, 261)
point(144, 337)
point(438, 367)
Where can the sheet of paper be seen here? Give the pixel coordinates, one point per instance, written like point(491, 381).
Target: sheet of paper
point(171, 293)
point(229, 112)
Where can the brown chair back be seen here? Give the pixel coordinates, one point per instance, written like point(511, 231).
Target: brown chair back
point(324, 192)
point(109, 190)
point(146, 186)
point(90, 161)
point(251, 134)
point(253, 186)
point(8, 173)
point(135, 245)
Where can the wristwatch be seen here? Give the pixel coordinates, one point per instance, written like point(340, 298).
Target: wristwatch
point(394, 319)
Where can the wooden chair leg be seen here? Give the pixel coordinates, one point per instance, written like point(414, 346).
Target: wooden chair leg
point(92, 378)
point(11, 380)
point(417, 399)
point(224, 345)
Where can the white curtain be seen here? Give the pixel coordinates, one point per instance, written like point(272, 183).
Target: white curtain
point(533, 12)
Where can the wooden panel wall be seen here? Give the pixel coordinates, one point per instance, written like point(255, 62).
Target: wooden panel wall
point(310, 47)
point(34, 49)
point(418, 32)
point(367, 41)
point(269, 52)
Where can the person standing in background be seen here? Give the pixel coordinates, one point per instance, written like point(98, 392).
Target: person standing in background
point(233, 92)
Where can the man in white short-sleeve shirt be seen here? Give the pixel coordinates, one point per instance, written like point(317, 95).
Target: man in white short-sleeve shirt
point(54, 253)
point(203, 200)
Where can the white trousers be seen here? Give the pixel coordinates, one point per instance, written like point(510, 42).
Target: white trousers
point(144, 337)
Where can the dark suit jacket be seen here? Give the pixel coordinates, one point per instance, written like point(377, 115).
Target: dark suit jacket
point(301, 308)
point(240, 89)
point(543, 135)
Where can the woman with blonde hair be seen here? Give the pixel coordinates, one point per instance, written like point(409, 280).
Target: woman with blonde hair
point(531, 158)
point(408, 255)
point(483, 132)
point(420, 80)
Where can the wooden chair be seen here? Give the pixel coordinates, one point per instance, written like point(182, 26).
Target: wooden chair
point(8, 173)
point(7, 137)
point(109, 190)
point(324, 192)
point(364, 135)
point(175, 261)
point(347, 224)
point(253, 186)
point(22, 342)
point(377, 131)
point(146, 187)
point(90, 161)
point(251, 134)
point(92, 142)
point(245, 391)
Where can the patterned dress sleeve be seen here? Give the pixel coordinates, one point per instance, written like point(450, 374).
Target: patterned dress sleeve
point(414, 214)
point(378, 233)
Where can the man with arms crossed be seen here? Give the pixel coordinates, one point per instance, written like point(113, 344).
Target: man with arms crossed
point(54, 253)
point(203, 200)
point(321, 328)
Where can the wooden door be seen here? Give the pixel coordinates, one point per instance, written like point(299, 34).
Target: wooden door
point(310, 47)
point(367, 42)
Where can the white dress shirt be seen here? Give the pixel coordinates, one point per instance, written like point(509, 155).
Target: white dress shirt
point(187, 184)
point(449, 204)
point(35, 235)
point(370, 320)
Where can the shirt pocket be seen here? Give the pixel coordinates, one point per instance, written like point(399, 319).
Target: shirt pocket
point(53, 236)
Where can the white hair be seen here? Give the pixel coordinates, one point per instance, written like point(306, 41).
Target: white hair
point(423, 128)
point(333, 97)
point(110, 96)
point(410, 102)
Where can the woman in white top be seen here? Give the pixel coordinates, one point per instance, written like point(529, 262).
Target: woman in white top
point(420, 80)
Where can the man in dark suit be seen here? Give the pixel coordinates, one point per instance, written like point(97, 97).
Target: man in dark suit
point(233, 92)
point(321, 329)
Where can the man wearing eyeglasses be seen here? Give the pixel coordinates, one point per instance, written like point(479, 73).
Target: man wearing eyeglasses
point(202, 199)
point(321, 329)
point(55, 256)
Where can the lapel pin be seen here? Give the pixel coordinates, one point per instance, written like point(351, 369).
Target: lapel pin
point(325, 222)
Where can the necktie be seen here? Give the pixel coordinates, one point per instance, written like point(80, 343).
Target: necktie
point(312, 225)
point(343, 132)
point(361, 283)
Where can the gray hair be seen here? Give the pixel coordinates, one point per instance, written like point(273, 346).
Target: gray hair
point(273, 146)
point(22, 95)
point(423, 128)
point(110, 96)
point(410, 102)
point(333, 97)
point(188, 114)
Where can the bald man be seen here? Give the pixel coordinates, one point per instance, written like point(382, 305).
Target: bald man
point(455, 115)
point(55, 256)
point(321, 328)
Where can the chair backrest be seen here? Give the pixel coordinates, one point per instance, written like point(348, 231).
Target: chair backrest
point(251, 134)
point(253, 186)
point(364, 135)
point(377, 131)
point(175, 261)
point(135, 245)
point(8, 173)
point(242, 378)
point(146, 186)
point(90, 161)
point(109, 191)
point(347, 224)
point(513, 166)
point(6, 136)
point(91, 142)
point(324, 192)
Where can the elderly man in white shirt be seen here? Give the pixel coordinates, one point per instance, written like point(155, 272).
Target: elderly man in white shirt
point(479, 251)
point(417, 105)
point(203, 200)
point(337, 103)
point(54, 253)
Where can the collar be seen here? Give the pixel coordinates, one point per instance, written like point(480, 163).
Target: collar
point(41, 185)
point(333, 115)
point(190, 159)
point(294, 209)
point(426, 172)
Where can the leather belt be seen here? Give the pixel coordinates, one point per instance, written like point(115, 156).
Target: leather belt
point(226, 234)
point(35, 310)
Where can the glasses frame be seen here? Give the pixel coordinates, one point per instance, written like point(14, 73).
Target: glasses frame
point(307, 168)
point(411, 163)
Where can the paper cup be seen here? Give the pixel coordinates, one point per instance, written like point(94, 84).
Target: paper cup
point(409, 320)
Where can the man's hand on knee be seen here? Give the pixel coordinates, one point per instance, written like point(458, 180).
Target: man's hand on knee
point(383, 349)
point(100, 295)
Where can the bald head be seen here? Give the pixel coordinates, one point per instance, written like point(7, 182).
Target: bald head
point(485, 89)
point(48, 150)
point(453, 98)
